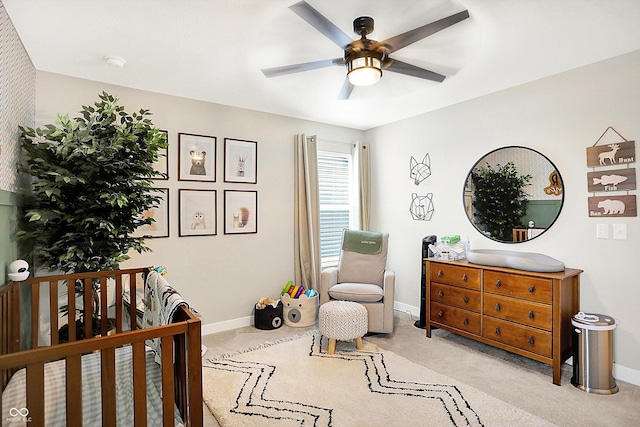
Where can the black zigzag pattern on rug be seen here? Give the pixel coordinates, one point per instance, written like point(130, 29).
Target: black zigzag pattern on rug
point(251, 399)
point(453, 402)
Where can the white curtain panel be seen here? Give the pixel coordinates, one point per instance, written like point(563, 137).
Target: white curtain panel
point(307, 213)
point(363, 166)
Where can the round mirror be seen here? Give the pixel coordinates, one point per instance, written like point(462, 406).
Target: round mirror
point(513, 194)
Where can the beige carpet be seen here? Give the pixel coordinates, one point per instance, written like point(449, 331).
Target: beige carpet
point(295, 383)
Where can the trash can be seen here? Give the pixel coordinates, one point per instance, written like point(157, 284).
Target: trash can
point(593, 353)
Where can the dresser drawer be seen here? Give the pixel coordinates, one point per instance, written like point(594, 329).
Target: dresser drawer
point(456, 317)
point(528, 313)
point(455, 275)
point(524, 337)
point(515, 285)
point(459, 297)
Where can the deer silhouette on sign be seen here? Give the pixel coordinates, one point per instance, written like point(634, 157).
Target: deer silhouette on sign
point(420, 171)
point(611, 155)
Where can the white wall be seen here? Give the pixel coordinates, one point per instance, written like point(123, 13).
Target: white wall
point(223, 275)
point(559, 116)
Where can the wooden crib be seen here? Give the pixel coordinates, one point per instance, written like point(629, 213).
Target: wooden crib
point(180, 370)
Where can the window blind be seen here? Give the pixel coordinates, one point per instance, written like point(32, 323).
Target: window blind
point(334, 185)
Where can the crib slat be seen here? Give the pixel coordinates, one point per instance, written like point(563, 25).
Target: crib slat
point(139, 385)
point(53, 311)
point(15, 307)
point(133, 300)
point(88, 307)
point(118, 303)
point(180, 366)
point(194, 372)
point(35, 393)
point(108, 359)
point(71, 303)
point(35, 313)
point(74, 390)
point(104, 315)
point(166, 344)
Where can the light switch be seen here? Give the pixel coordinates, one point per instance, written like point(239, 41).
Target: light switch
point(602, 231)
point(620, 231)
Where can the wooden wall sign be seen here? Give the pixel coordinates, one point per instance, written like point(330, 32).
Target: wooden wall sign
point(612, 206)
point(555, 184)
point(612, 180)
point(619, 153)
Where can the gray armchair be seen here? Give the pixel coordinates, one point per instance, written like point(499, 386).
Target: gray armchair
point(361, 276)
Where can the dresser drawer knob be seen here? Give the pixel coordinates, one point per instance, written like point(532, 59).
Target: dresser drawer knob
point(440, 273)
point(441, 313)
point(497, 331)
point(532, 289)
point(531, 340)
point(440, 294)
point(497, 307)
point(465, 299)
point(531, 315)
point(498, 284)
point(464, 277)
point(465, 321)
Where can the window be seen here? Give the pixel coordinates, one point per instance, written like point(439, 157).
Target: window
point(338, 206)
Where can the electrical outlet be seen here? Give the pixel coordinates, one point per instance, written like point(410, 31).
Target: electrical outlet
point(602, 231)
point(620, 231)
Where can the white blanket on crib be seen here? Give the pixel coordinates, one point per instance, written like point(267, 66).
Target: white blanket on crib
point(14, 396)
point(161, 302)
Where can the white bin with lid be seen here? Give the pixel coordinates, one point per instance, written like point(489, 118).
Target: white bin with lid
point(593, 353)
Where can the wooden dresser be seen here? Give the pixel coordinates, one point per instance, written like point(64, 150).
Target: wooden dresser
point(524, 312)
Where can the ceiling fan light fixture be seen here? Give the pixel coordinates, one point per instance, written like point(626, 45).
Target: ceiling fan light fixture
point(364, 70)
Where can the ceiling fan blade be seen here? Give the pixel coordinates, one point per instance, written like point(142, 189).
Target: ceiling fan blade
point(320, 23)
point(405, 39)
point(411, 70)
point(346, 90)
point(297, 68)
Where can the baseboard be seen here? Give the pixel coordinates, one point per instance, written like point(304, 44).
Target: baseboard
point(227, 325)
point(409, 309)
point(620, 372)
point(628, 375)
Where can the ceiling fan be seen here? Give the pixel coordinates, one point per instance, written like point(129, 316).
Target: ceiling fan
point(365, 58)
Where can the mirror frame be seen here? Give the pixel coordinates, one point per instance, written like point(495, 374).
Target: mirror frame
point(480, 161)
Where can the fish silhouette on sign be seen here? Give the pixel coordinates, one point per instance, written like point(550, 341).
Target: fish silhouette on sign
point(420, 171)
point(609, 180)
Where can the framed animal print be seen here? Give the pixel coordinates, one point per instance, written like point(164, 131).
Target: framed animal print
point(240, 212)
point(196, 157)
point(161, 166)
point(240, 161)
point(159, 226)
point(197, 213)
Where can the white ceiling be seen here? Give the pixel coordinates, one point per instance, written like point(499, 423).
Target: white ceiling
point(213, 50)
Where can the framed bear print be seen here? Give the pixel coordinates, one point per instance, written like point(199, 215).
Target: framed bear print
point(196, 157)
point(197, 212)
point(240, 161)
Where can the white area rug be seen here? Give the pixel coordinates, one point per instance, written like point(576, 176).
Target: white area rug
point(295, 383)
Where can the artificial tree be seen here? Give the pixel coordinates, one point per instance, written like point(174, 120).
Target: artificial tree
point(91, 177)
point(500, 200)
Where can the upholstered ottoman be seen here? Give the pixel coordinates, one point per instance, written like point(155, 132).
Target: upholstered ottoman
point(344, 321)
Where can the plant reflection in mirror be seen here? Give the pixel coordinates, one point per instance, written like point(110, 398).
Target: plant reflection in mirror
point(500, 200)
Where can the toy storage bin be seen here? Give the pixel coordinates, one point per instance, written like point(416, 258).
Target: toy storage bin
point(269, 317)
point(300, 312)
